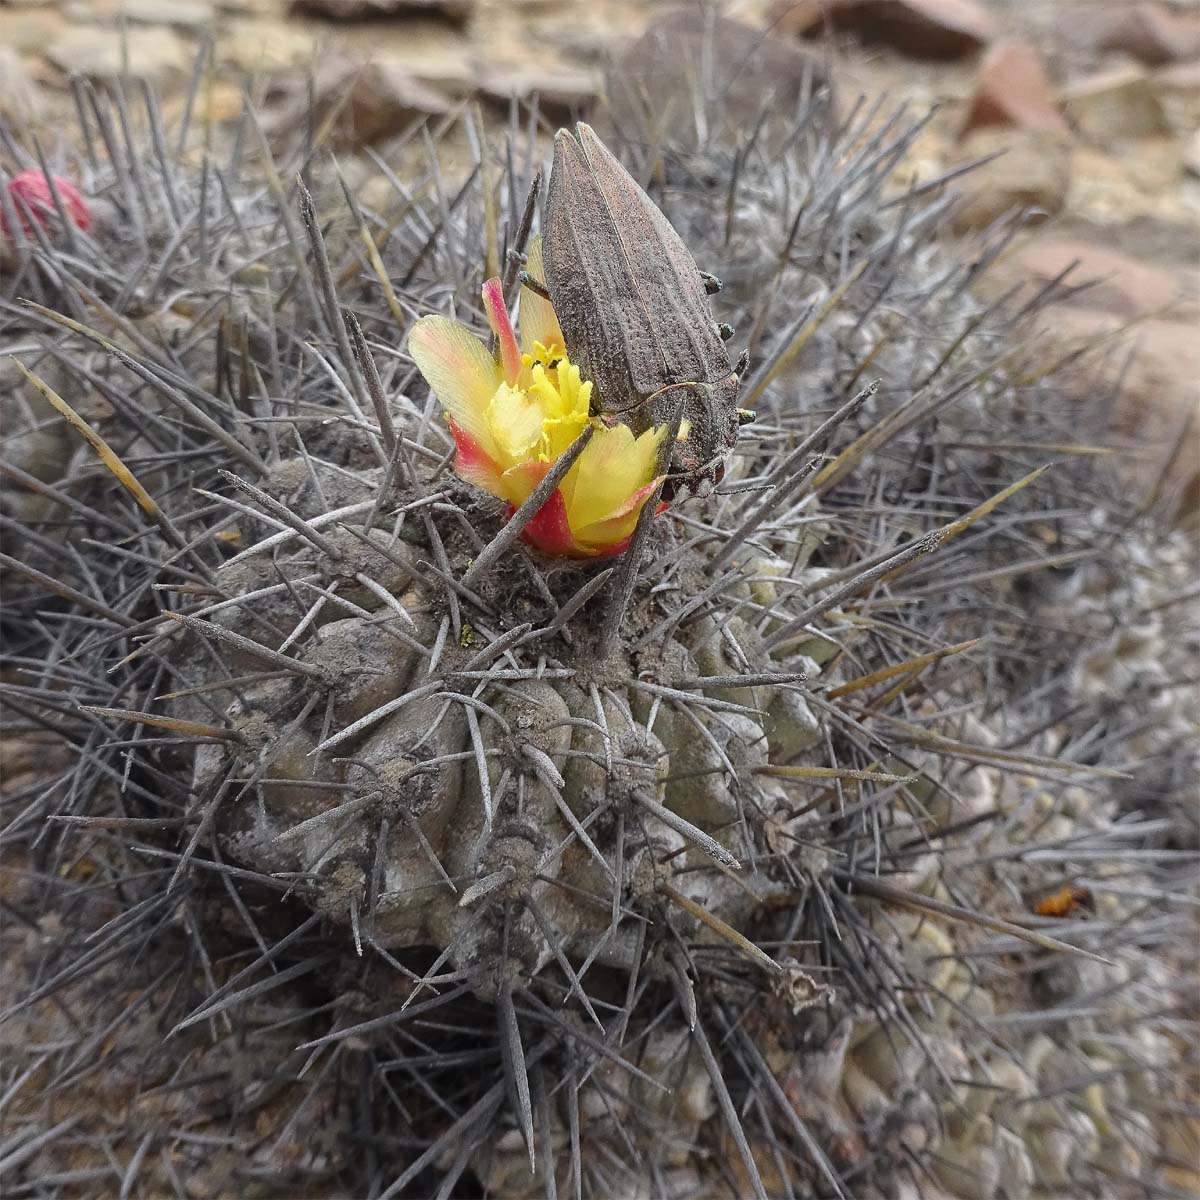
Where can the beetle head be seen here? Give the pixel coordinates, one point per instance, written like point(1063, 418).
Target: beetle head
point(710, 418)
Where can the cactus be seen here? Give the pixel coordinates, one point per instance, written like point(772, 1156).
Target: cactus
point(362, 849)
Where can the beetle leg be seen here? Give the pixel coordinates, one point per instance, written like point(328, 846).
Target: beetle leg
point(745, 415)
point(743, 364)
point(725, 330)
point(712, 285)
point(538, 288)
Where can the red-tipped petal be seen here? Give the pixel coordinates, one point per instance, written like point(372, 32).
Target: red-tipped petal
point(506, 339)
point(617, 528)
point(461, 372)
point(613, 549)
point(472, 462)
point(550, 531)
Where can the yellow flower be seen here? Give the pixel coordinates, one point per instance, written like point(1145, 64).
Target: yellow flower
point(514, 414)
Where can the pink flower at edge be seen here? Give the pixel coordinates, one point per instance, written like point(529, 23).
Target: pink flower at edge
point(33, 190)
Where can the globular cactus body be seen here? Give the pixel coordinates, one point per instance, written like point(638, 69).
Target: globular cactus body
point(560, 874)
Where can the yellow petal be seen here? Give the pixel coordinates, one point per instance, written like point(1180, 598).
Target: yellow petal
point(537, 320)
point(518, 481)
point(461, 372)
point(516, 420)
point(613, 466)
point(616, 529)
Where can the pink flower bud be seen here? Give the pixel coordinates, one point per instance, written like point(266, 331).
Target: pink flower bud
point(33, 189)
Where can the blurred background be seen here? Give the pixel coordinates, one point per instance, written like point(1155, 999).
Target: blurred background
point(1091, 109)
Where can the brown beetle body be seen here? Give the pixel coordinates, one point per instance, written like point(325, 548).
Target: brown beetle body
point(634, 309)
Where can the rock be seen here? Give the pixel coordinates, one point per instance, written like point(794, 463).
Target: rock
point(1012, 89)
point(585, 36)
point(1156, 401)
point(450, 72)
point(368, 10)
point(1157, 362)
point(29, 32)
point(657, 71)
point(253, 8)
point(1115, 104)
point(266, 46)
point(1032, 171)
point(1119, 284)
point(562, 91)
point(921, 28)
point(188, 14)
point(223, 101)
point(1151, 33)
point(1179, 77)
point(144, 12)
point(83, 12)
point(374, 99)
point(20, 102)
point(152, 54)
point(1191, 155)
point(1139, 181)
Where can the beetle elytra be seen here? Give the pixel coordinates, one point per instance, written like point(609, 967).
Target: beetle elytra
point(633, 307)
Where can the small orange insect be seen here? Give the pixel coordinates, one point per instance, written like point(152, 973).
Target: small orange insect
point(1064, 902)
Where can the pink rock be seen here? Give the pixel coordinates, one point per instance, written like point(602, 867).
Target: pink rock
point(1030, 170)
point(921, 28)
point(1116, 104)
point(1151, 33)
point(1116, 283)
point(1012, 89)
point(649, 79)
point(1155, 405)
point(1159, 360)
point(33, 188)
point(374, 10)
point(368, 101)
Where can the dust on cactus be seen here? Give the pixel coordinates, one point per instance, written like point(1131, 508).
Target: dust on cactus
point(369, 838)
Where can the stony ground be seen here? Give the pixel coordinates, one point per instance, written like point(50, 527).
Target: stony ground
point(1095, 107)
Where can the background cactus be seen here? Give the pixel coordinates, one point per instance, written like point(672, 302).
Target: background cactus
point(347, 857)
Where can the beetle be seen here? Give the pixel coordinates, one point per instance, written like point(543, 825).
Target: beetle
point(633, 308)
point(1064, 902)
